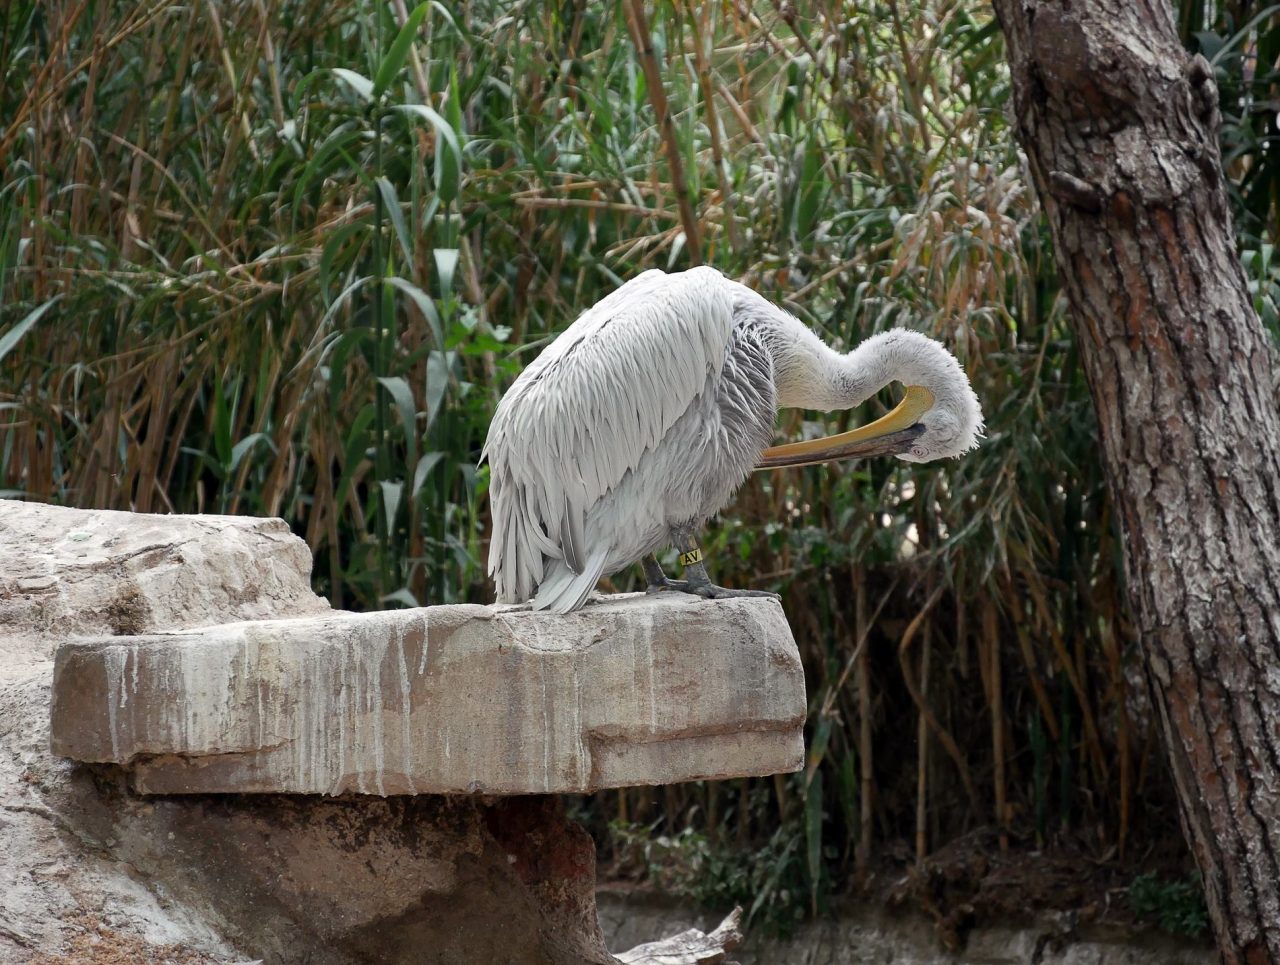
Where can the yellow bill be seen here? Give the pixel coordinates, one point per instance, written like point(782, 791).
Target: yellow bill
point(887, 436)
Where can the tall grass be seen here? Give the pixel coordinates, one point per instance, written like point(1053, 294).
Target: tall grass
point(283, 258)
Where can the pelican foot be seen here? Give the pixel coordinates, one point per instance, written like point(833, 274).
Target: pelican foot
point(666, 585)
point(709, 591)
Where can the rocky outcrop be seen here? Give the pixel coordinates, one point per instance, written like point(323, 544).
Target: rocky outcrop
point(272, 691)
point(68, 572)
point(443, 700)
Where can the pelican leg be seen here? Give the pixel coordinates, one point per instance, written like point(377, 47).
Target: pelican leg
point(657, 580)
point(697, 581)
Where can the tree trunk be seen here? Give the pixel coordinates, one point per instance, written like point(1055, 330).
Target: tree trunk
point(1120, 127)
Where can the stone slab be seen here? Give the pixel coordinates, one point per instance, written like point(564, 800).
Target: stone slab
point(632, 690)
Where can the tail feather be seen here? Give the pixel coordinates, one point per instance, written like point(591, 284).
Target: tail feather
point(564, 590)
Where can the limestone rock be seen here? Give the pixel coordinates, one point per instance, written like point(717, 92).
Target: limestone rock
point(75, 571)
point(92, 872)
point(448, 699)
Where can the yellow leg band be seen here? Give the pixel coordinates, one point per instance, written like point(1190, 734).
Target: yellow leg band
point(693, 556)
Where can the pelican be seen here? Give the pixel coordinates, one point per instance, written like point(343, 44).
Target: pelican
point(641, 420)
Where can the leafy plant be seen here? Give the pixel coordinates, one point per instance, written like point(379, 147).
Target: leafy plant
point(1176, 906)
point(768, 881)
point(1241, 41)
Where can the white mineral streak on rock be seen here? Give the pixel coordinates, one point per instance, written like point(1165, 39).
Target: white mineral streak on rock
point(341, 715)
point(113, 660)
point(548, 725)
point(646, 636)
point(426, 641)
point(317, 715)
point(580, 740)
point(632, 690)
point(373, 663)
point(405, 714)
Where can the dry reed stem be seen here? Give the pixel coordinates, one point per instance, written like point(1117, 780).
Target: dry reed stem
point(922, 747)
point(699, 25)
point(1067, 665)
point(995, 700)
point(639, 29)
point(617, 207)
point(921, 699)
point(865, 746)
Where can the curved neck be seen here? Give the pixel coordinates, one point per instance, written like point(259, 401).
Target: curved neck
point(811, 375)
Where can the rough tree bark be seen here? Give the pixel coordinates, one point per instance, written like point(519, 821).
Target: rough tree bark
point(1120, 127)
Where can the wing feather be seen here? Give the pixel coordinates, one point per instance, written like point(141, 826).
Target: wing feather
point(585, 412)
point(572, 536)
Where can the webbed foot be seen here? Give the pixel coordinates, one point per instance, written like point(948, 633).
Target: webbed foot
point(666, 585)
point(709, 591)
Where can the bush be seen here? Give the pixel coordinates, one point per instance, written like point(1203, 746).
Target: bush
point(1176, 906)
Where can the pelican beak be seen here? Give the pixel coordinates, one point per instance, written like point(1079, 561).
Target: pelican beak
point(887, 436)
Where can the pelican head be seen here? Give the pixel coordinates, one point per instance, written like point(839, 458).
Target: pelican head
point(939, 416)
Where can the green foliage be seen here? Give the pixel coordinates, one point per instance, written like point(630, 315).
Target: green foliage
point(1241, 41)
point(1176, 906)
point(768, 882)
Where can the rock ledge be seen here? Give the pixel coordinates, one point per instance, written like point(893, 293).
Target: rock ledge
point(448, 699)
point(192, 651)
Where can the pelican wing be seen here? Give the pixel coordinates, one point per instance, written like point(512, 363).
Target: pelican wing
point(586, 411)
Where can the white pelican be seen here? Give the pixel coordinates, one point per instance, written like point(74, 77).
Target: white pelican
point(638, 423)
